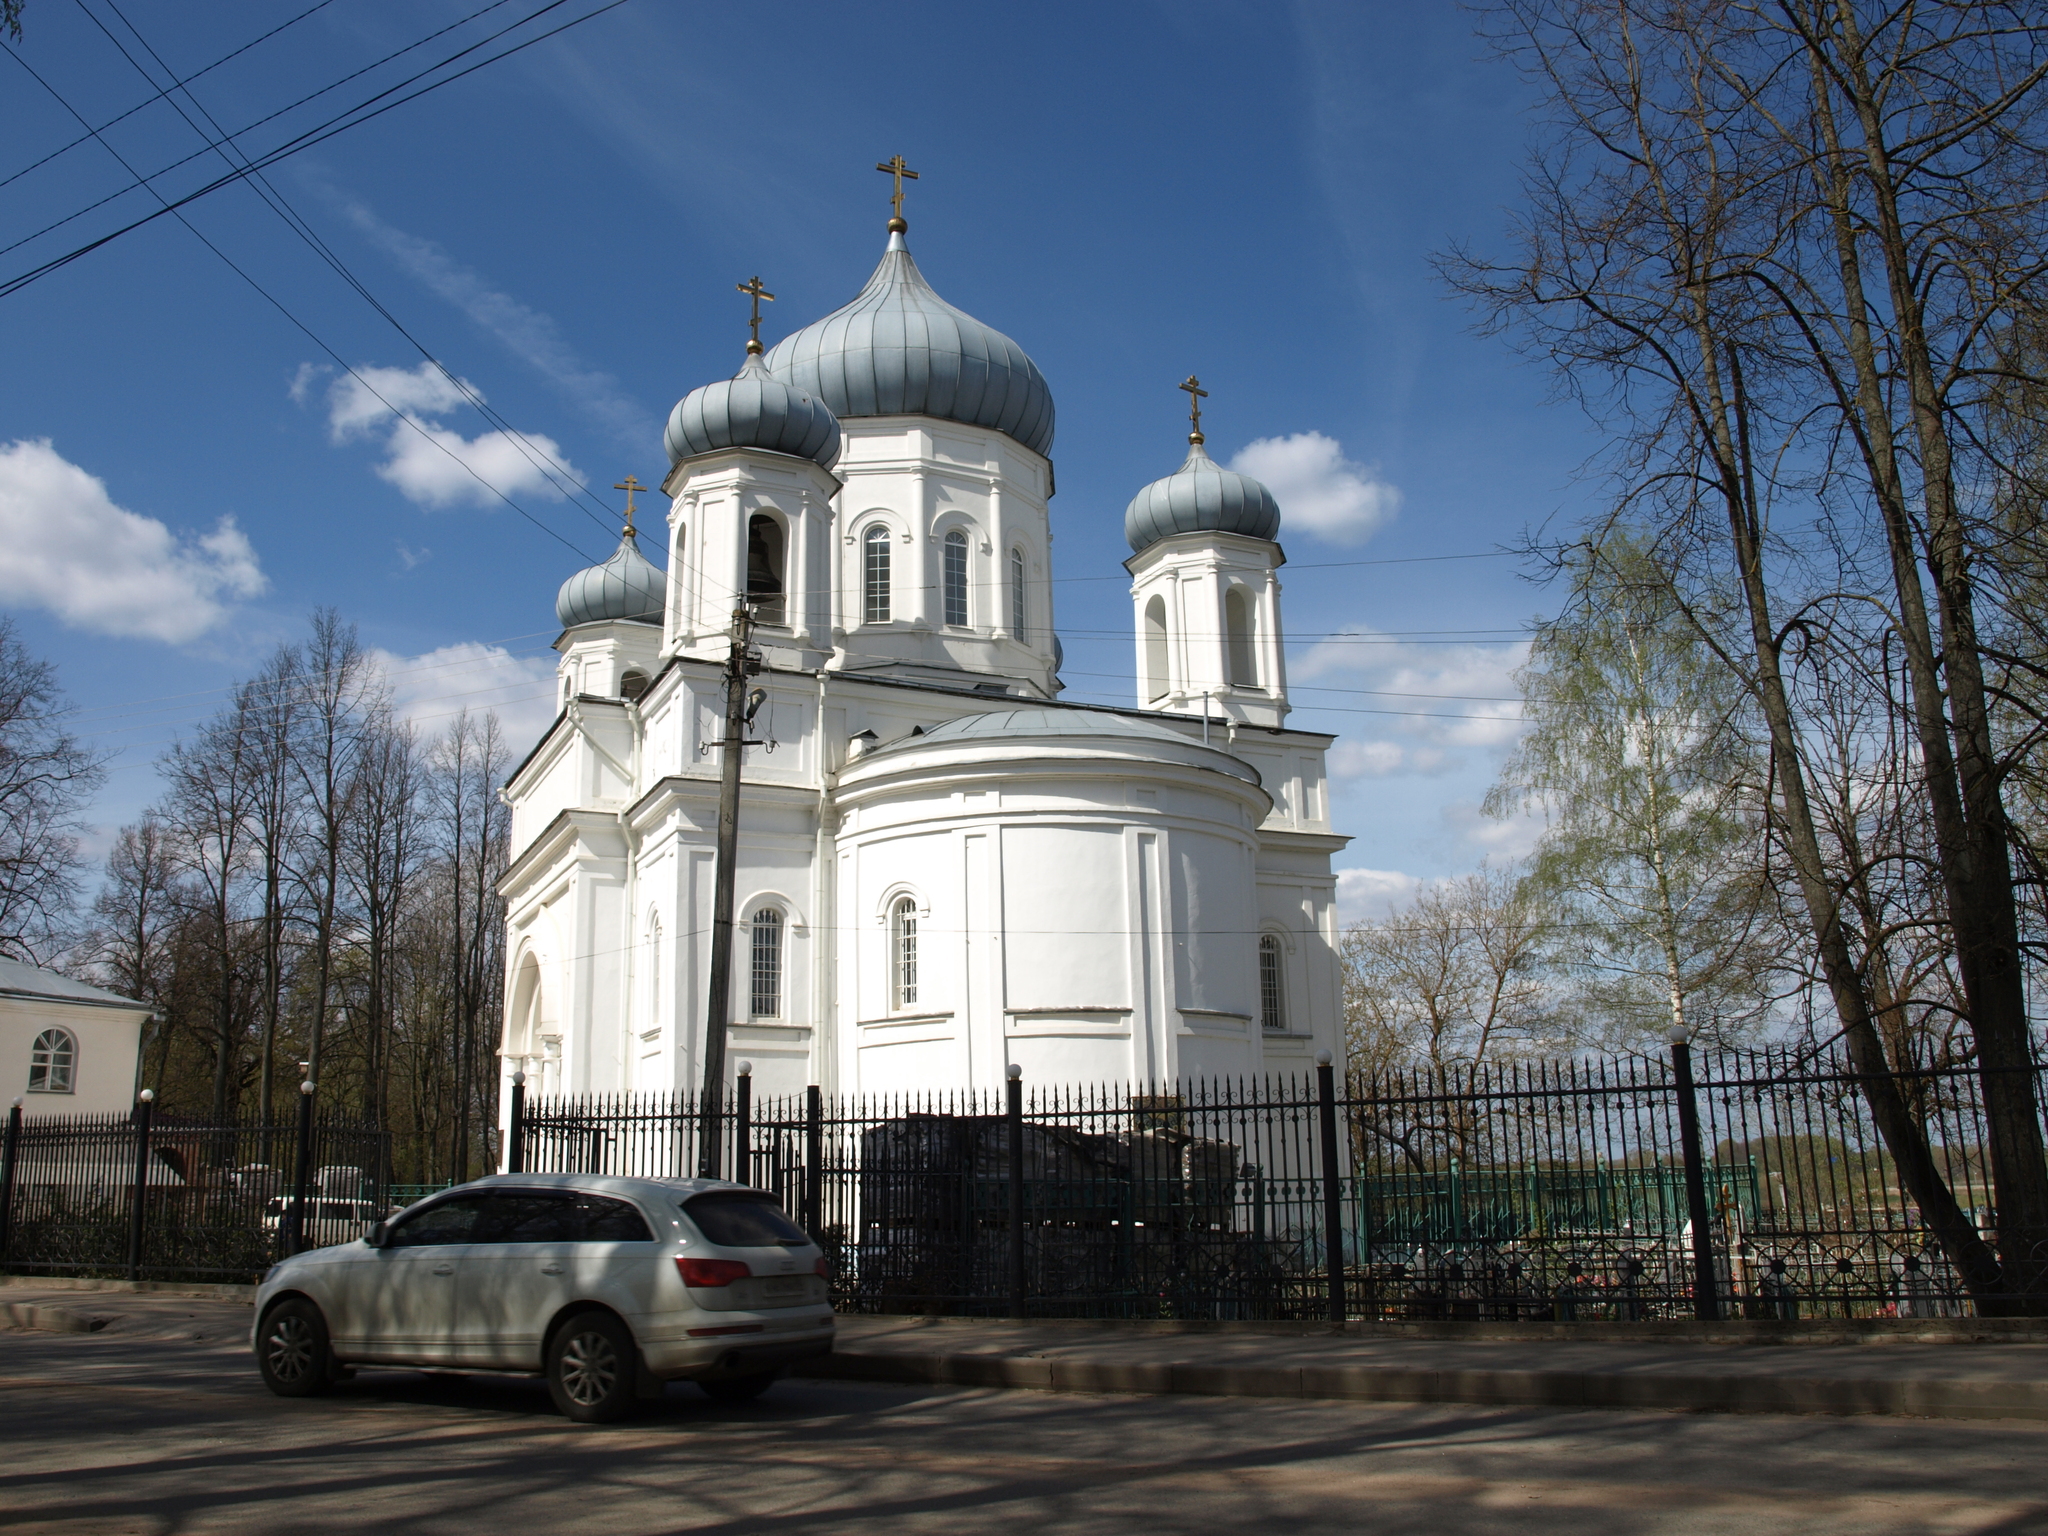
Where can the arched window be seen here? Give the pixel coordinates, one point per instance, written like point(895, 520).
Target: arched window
point(956, 579)
point(874, 571)
point(653, 1020)
point(767, 972)
point(764, 568)
point(1155, 649)
point(903, 954)
point(52, 1062)
point(1020, 624)
point(1237, 629)
point(1272, 983)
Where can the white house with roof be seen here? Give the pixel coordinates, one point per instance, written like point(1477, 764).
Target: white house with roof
point(943, 868)
point(68, 1048)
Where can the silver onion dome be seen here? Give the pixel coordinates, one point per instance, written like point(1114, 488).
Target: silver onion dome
point(625, 587)
point(1201, 497)
point(753, 409)
point(900, 350)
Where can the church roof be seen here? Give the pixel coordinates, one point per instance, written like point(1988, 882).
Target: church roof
point(900, 350)
point(626, 586)
point(20, 979)
point(1007, 727)
point(753, 409)
point(1201, 497)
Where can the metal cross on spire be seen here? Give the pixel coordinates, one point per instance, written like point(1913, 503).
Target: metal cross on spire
point(1196, 395)
point(894, 166)
point(629, 485)
point(752, 286)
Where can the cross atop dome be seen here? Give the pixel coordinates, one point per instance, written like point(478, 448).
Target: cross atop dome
point(895, 166)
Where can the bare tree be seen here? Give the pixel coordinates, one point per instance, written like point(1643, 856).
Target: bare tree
point(46, 778)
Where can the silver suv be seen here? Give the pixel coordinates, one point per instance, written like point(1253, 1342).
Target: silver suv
point(609, 1286)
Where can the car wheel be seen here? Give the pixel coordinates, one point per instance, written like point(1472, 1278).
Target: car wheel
point(738, 1389)
point(591, 1366)
point(292, 1349)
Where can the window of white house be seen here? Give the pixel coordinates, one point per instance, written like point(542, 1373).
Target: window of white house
point(764, 568)
point(1155, 648)
point(874, 564)
point(1272, 983)
point(956, 579)
point(52, 1062)
point(1019, 615)
point(1237, 629)
point(767, 990)
point(903, 954)
point(653, 974)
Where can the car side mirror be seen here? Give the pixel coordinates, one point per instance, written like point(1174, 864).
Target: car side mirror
point(377, 1234)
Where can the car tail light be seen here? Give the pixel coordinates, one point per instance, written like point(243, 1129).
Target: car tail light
point(823, 1268)
point(712, 1273)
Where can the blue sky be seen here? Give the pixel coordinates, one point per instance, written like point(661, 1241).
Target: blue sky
point(1134, 192)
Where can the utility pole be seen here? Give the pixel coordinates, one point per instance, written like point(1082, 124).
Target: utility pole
point(741, 664)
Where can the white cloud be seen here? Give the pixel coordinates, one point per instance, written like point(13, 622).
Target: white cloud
point(432, 464)
point(1440, 697)
point(66, 547)
point(1509, 837)
point(1318, 489)
point(431, 689)
point(1364, 895)
point(528, 334)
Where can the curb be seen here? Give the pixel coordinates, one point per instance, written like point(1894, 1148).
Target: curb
point(22, 1314)
point(243, 1293)
point(1937, 1399)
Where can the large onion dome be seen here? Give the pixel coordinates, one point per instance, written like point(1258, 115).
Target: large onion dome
point(624, 587)
point(753, 409)
point(900, 350)
point(1201, 497)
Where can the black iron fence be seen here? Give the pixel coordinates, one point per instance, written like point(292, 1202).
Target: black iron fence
point(137, 1197)
point(1744, 1183)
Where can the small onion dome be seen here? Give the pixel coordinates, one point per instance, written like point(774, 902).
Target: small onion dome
point(753, 409)
point(1201, 497)
point(624, 587)
point(900, 350)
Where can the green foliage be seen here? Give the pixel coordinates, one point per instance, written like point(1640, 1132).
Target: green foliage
point(1642, 759)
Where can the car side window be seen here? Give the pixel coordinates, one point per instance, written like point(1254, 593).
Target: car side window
point(603, 1220)
point(444, 1222)
point(529, 1216)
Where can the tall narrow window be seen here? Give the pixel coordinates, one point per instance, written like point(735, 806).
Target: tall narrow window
point(956, 579)
point(1272, 984)
point(1237, 631)
point(767, 1001)
point(653, 975)
point(874, 567)
point(765, 567)
point(1155, 649)
point(52, 1061)
point(1020, 625)
point(903, 954)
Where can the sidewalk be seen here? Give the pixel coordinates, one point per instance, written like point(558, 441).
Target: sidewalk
point(1933, 1380)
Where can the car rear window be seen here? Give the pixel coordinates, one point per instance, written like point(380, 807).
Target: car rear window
point(744, 1221)
point(549, 1216)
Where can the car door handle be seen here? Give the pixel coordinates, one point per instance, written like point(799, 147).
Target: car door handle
point(444, 1269)
point(551, 1269)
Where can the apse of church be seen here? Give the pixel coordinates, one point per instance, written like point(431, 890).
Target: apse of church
point(943, 868)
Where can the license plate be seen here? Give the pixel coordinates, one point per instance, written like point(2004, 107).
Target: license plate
point(777, 1288)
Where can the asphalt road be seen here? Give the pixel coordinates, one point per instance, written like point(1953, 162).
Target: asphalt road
point(159, 1425)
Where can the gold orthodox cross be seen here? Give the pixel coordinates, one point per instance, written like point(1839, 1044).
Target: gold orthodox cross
point(629, 485)
point(1196, 395)
point(752, 286)
point(894, 166)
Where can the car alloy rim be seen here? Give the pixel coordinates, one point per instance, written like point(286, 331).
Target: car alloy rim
point(590, 1368)
point(291, 1348)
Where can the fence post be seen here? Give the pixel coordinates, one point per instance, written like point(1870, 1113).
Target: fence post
point(515, 1131)
point(1705, 1305)
point(302, 1174)
point(1016, 1119)
point(1333, 1191)
point(743, 1123)
point(11, 1155)
point(145, 1103)
point(814, 1158)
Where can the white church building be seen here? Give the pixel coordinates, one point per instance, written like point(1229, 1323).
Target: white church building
point(943, 868)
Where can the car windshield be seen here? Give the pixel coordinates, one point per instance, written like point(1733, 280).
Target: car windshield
point(744, 1221)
